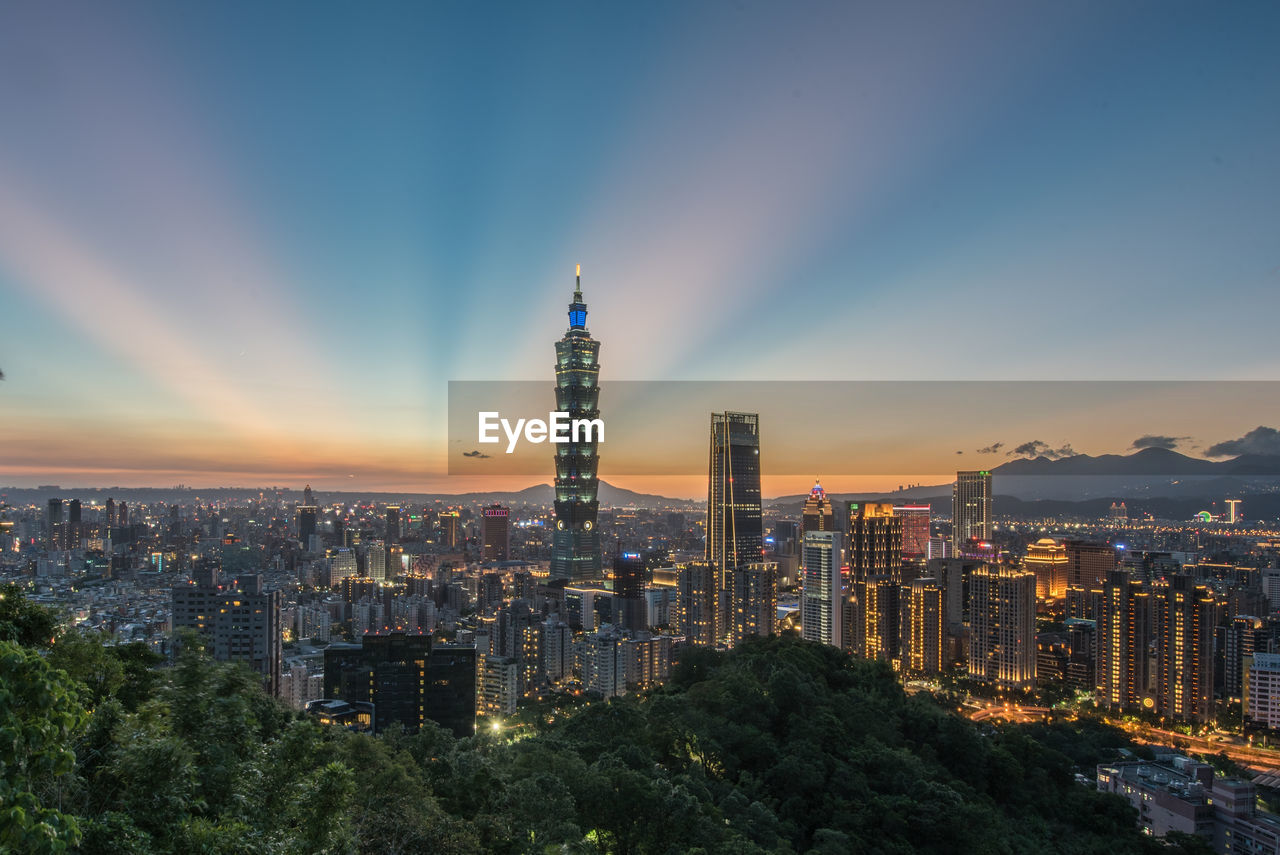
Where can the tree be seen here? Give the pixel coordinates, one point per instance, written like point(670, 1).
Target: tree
point(38, 716)
point(24, 622)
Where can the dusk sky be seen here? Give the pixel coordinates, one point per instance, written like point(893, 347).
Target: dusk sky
point(251, 244)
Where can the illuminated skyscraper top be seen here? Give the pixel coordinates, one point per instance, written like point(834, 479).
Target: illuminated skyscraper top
point(575, 545)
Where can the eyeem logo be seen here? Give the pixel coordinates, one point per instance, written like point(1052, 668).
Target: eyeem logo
point(557, 428)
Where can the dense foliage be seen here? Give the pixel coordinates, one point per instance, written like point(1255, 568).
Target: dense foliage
point(781, 746)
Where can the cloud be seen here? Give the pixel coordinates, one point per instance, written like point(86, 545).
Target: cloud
point(959, 452)
point(1039, 448)
point(1152, 440)
point(479, 455)
point(992, 448)
point(1260, 440)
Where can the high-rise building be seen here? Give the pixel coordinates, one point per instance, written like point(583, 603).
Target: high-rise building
point(306, 525)
point(1088, 563)
point(1233, 510)
point(822, 595)
point(915, 530)
point(575, 544)
point(926, 628)
point(55, 537)
point(1261, 690)
point(495, 533)
point(308, 498)
point(1186, 615)
point(239, 623)
point(696, 602)
point(879, 604)
point(970, 508)
point(451, 529)
point(1242, 637)
point(628, 591)
point(875, 541)
point(817, 514)
point(375, 561)
point(393, 524)
point(754, 600)
point(1124, 643)
point(1047, 558)
point(734, 527)
point(74, 531)
point(1002, 627)
point(407, 679)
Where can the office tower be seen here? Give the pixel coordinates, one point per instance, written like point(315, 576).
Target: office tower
point(1088, 563)
point(408, 680)
point(393, 524)
point(970, 508)
point(55, 537)
point(822, 595)
point(73, 530)
point(734, 527)
point(1233, 511)
point(1186, 615)
point(696, 602)
point(575, 544)
point(306, 525)
point(124, 514)
point(450, 528)
point(753, 600)
point(342, 563)
point(926, 628)
point(817, 514)
point(239, 623)
point(1124, 640)
point(1002, 627)
point(375, 561)
point(1243, 636)
point(915, 530)
point(109, 515)
point(495, 536)
point(875, 541)
point(628, 591)
point(879, 603)
point(1048, 560)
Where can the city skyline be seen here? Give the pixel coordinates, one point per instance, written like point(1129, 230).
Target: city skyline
point(231, 272)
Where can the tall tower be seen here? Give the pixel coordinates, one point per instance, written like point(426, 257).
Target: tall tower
point(575, 546)
point(970, 508)
point(735, 535)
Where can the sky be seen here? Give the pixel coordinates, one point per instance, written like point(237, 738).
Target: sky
point(252, 244)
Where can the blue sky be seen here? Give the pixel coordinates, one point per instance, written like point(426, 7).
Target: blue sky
point(253, 242)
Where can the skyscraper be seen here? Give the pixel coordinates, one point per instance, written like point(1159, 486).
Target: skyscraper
point(926, 628)
point(54, 536)
point(393, 524)
point(575, 545)
point(817, 514)
point(1002, 623)
point(1088, 563)
point(628, 591)
point(450, 529)
point(754, 600)
point(306, 524)
point(241, 623)
point(1124, 639)
point(875, 541)
point(970, 508)
point(734, 528)
point(822, 597)
point(915, 529)
point(495, 533)
point(696, 602)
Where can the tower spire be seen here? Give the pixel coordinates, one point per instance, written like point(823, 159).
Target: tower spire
point(578, 308)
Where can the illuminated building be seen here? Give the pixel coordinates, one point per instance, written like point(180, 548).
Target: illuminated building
point(696, 602)
point(1002, 627)
point(1048, 560)
point(499, 682)
point(575, 545)
point(73, 532)
point(1124, 640)
point(1119, 513)
point(1186, 615)
point(970, 508)
point(239, 623)
point(822, 596)
point(451, 529)
point(407, 679)
point(375, 561)
point(342, 563)
point(1233, 510)
point(817, 515)
point(1088, 563)
point(54, 534)
point(754, 600)
point(875, 541)
point(879, 600)
point(735, 532)
point(1261, 690)
point(1242, 637)
point(926, 628)
point(495, 533)
point(915, 530)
